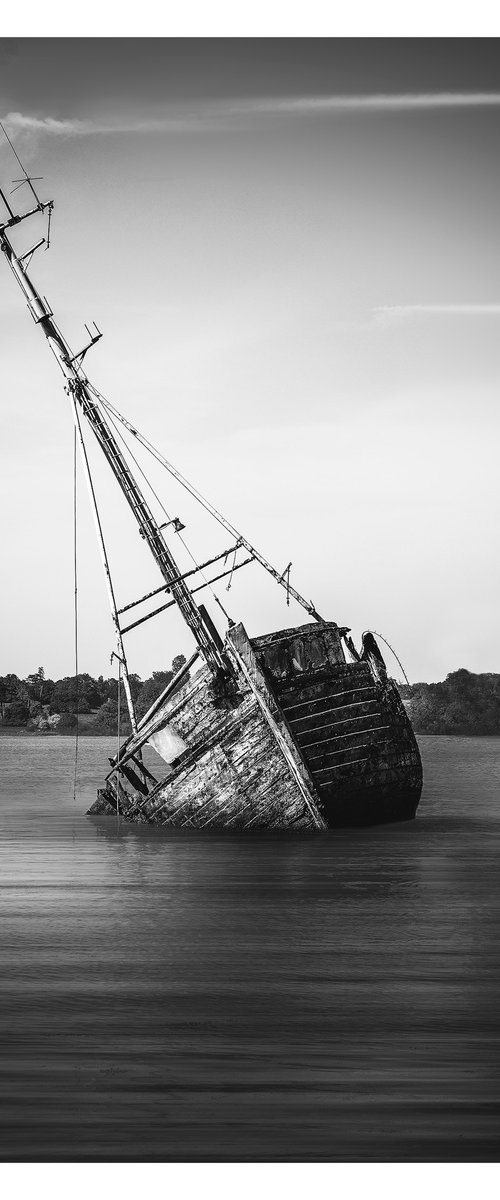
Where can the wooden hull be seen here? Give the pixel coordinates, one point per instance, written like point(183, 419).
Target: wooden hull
point(300, 739)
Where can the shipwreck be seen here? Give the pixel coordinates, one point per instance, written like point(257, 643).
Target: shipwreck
point(292, 730)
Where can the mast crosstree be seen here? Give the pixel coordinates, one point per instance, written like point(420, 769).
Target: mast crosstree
point(99, 414)
point(290, 752)
point(78, 387)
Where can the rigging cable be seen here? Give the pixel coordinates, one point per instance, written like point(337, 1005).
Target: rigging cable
point(75, 582)
point(118, 746)
point(105, 562)
point(291, 591)
point(383, 639)
point(100, 400)
point(14, 151)
point(138, 465)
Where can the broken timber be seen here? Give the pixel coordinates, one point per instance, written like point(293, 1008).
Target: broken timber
point(298, 739)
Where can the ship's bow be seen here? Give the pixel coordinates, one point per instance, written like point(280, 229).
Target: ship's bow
point(349, 724)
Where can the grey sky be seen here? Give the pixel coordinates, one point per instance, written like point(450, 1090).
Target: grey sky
point(293, 251)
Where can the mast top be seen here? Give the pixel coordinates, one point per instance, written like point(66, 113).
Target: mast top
point(86, 399)
point(83, 399)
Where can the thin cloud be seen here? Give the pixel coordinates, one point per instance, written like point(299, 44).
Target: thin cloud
point(387, 314)
point(379, 102)
point(16, 123)
point(230, 113)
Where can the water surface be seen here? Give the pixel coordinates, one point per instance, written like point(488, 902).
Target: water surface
point(168, 996)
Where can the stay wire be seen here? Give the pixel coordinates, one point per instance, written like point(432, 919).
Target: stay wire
point(118, 747)
point(14, 151)
point(105, 561)
point(138, 465)
point(209, 508)
point(150, 486)
point(202, 573)
point(75, 611)
point(383, 639)
point(201, 499)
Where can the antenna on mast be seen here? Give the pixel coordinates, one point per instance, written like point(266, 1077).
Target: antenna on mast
point(82, 399)
point(27, 178)
point(41, 205)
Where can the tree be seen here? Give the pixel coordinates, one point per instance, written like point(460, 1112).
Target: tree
point(10, 692)
point(106, 719)
point(64, 695)
point(23, 698)
point(68, 693)
point(159, 680)
point(135, 682)
point(463, 703)
point(4, 695)
point(17, 713)
point(39, 688)
point(67, 724)
point(151, 689)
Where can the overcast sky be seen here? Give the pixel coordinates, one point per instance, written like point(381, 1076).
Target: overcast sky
point(292, 249)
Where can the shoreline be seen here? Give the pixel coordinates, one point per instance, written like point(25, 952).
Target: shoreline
point(19, 732)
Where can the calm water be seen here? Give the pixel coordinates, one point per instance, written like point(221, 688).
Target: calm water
point(175, 997)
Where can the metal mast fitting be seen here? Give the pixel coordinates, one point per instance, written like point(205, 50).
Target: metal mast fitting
point(79, 389)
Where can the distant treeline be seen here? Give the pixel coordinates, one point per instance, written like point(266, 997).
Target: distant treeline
point(43, 705)
point(462, 704)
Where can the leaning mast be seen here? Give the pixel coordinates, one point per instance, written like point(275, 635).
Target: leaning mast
point(80, 392)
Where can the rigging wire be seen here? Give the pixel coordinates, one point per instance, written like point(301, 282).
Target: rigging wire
point(27, 178)
point(138, 465)
point(112, 422)
point(118, 743)
point(202, 573)
point(14, 151)
point(291, 591)
point(383, 639)
point(75, 612)
point(105, 562)
point(165, 463)
point(112, 413)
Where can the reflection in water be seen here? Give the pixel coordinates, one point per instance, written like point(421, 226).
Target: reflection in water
point(178, 996)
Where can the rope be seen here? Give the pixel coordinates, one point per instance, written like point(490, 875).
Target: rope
point(75, 614)
point(118, 743)
point(383, 639)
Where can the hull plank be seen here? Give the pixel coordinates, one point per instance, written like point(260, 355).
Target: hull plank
point(351, 728)
point(275, 733)
point(233, 774)
point(300, 739)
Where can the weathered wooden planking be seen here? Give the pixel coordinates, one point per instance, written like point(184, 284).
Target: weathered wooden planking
point(234, 772)
point(337, 721)
point(353, 734)
point(297, 740)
